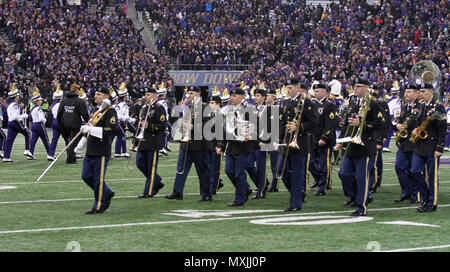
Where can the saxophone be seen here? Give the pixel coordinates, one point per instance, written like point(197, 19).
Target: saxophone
point(404, 132)
point(421, 132)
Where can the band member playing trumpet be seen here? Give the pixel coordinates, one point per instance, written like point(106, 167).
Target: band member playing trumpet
point(299, 119)
point(149, 141)
point(403, 162)
point(429, 139)
point(364, 118)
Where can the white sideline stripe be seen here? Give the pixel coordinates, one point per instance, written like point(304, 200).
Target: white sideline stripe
point(415, 248)
point(186, 221)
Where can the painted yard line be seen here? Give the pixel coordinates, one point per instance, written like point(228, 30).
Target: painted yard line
point(416, 248)
point(180, 221)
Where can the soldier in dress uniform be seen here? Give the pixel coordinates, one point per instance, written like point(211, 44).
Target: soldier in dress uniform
point(98, 150)
point(403, 161)
point(238, 148)
point(194, 151)
point(16, 124)
point(357, 158)
point(320, 166)
point(376, 173)
point(215, 161)
point(299, 112)
point(153, 122)
point(272, 108)
point(427, 151)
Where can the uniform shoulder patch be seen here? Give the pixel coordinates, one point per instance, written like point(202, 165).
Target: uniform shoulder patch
point(162, 118)
point(380, 115)
point(331, 115)
point(113, 120)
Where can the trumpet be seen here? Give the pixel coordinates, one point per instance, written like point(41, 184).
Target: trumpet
point(293, 136)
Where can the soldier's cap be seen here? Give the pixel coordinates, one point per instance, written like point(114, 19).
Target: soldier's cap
point(237, 91)
point(291, 81)
point(149, 90)
point(413, 86)
point(193, 89)
point(216, 99)
point(375, 86)
point(103, 89)
point(304, 86)
point(361, 80)
point(426, 86)
point(261, 92)
point(271, 91)
point(321, 86)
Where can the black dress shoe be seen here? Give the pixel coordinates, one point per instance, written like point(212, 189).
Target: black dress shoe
point(401, 198)
point(320, 193)
point(427, 208)
point(349, 201)
point(292, 209)
point(92, 211)
point(175, 195)
point(235, 204)
point(258, 197)
point(144, 196)
point(157, 188)
point(315, 185)
point(357, 213)
point(205, 199)
point(370, 199)
point(108, 201)
point(413, 201)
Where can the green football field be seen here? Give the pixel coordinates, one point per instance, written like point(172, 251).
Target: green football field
point(49, 215)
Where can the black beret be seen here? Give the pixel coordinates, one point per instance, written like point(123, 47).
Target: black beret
point(261, 92)
point(216, 99)
point(413, 86)
point(103, 89)
point(291, 81)
point(426, 86)
point(194, 89)
point(149, 90)
point(320, 86)
point(361, 80)
point(237, 91)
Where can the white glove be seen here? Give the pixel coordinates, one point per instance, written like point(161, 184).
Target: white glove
point(22, 116)
point(94, 131)
point(106, 103)
point(81, 145)
point(85, 129)
point(131, 119)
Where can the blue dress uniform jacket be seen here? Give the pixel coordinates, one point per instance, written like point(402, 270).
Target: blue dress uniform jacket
point(102, 147)
point(195, 144)
point(412, 112)
point(328, 122)
point(154, 131)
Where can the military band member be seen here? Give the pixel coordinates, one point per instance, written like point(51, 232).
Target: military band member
point(195, 151)
point(427, 151)
point(125, 123)
point(394, 104)
point(153, 121)
point(320, 166)
point(301, 115)
point(376, 172)
point(2, 135)
point(237, 149)
point(273, 107)
point(16, 124)
point(38, 130)
point(358, 159)
point(98, 151)
point(215, 162)
point(403, 160)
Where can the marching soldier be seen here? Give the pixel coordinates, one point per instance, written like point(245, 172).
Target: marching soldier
point(238, 149)
point(272, 108)
point(98, 150)
point(428, 148)
point(215, 161)
point(298, 121)
point(326, 139)
point(153, 122)
point(16, 119)
point(403, 161)
point(376, 172)
point(194, 151)
point(357, 158)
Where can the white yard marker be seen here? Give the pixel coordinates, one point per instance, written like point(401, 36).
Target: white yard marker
point(408, 223)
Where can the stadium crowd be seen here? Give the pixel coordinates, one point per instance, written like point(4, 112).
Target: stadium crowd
point(278, 39)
